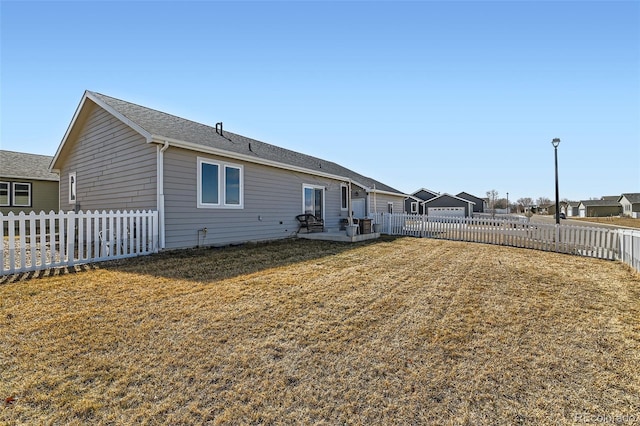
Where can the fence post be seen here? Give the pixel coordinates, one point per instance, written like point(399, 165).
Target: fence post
point(71, 240)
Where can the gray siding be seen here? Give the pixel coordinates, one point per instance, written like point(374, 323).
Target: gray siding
point(272, 199)
point(115, 167)
point(382, 201)
point(478, 207)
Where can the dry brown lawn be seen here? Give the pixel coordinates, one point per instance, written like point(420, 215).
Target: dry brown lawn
point(617, 221)
point(398, 331)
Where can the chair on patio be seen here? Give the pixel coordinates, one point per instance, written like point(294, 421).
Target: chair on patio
point(310, 222)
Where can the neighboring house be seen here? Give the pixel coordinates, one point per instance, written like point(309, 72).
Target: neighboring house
point(26, 184)
point(599, 208)
point(630, 205)
point(413, 203)
point(573, 208)
point(480, 204)
point(203, 181)
point(448, 205)
point(551, 208)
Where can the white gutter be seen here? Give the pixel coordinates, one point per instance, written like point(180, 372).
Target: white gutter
point(350, 208)
point(160, 190)
point(252, 159)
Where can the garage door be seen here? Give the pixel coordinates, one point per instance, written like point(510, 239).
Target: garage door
point(446, 211)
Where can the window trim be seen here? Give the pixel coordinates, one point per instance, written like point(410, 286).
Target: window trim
point(8, 194)
point(222, 184)
point(13, 194)
point(414, 207)
point(74, 200)
point(324, 196)
point(389, 207)
point(344, 188)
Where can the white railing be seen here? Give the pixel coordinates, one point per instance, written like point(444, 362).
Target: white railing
point(42, 240)
point(599, 242)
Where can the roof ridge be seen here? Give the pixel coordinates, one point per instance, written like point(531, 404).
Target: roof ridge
point(152, 109)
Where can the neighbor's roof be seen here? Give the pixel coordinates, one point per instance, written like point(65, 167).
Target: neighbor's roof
point(632, 198)
point(466, 194)
point(445, 195)
point(161, 126)
point(20, 165)
point(599, 203)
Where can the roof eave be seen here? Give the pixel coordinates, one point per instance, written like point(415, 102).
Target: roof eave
point(51, 179)
point(248, 158)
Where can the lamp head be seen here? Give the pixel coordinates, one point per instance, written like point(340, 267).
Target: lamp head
point(555, 142)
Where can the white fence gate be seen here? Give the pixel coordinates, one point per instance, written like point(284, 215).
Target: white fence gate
point(599, 242)
point(45, 240)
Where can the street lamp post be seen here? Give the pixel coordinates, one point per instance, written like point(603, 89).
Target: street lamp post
point(508, 209)
point(555, 142)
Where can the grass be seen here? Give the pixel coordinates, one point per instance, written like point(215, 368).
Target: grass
point(398, 331)
point(618, 221)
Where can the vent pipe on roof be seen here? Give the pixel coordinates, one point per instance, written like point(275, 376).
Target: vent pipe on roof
point(219, 128)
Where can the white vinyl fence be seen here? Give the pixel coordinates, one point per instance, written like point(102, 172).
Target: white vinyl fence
point(42, 240)
point(599, 242)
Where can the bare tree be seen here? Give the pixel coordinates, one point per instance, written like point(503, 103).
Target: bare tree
point(541, 201)
point(492, 196)
point(525, 202)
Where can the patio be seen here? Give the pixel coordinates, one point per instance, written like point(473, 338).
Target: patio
point(341, 236)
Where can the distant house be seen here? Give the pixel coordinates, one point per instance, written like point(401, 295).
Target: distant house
point(480, 203)
point(551, 208)
point(413, 203)
point(599, 208)
point(26, 184)
point(205, 182)
point(630, 204)
point(448, 205)
point(573, 208)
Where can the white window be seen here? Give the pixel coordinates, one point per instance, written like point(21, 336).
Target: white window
point(4, 194)
point(389, 207)
point(313, 200)
point(220, 184)
point(72, 188)
point(21, 194)
point(414, 207)
point(344, 197)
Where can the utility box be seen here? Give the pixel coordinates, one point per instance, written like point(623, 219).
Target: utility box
point(365, 226)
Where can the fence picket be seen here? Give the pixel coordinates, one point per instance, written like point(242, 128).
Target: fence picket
point(604, 243)
point(44, 240)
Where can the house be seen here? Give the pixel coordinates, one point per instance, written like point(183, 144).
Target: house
point(448, 205)
point(480, 203)
point(551, 208)
point(573, 208)
point(630, 204)
point(599, 208)
point(26, 184)
point(209, 186)
point(413, 203)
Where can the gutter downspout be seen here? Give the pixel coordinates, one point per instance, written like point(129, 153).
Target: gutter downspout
point(350, 210)
point(160, 187)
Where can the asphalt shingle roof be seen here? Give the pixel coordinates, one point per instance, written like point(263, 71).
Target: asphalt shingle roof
point(20, 165)
point(161, 124)
point(633, 198)
point(591, 203)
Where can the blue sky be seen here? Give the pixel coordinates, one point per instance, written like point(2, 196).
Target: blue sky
point(452, 96)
